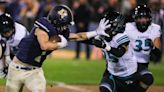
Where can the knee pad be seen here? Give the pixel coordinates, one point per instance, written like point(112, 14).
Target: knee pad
point(147, 79)
point(105, 88)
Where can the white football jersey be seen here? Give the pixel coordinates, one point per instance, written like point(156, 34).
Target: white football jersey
point(123, 66)
point(140, 42)
point(20, 33)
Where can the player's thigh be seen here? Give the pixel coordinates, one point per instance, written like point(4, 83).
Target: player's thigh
point(36, 81)
point(128, 83)
point(14, 79)
point(1, 65)
point(2, 74)
point(108, 84)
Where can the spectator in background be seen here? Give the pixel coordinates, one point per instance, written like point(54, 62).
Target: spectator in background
point(97, 10)
point(2, 6)
point(128, 7)
point(48, 5)
point(112, 5)
point(157, 12)
point(82, 19)
point(65, 2)
point(158, 16)
point(14, 9)
point(29, 12)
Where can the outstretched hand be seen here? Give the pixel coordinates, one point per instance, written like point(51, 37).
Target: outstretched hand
point(103, 25)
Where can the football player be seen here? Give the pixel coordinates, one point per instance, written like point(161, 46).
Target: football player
point(144, 41)
point(12, 33)
point(122, 73)
point(34, 48)
point(4, 58)
point(119, 76)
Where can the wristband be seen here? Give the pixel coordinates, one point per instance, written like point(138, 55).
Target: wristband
point(91, 34)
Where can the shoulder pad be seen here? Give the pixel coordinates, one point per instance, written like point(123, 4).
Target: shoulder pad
point(121, 38)
point(156, 26)
point(44, 24)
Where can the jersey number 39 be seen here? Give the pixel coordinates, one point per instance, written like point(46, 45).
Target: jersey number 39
point(144, 45)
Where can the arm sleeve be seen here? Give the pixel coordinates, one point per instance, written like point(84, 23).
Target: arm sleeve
point(89, 41)
point(120, 50)
point(156, 31)
point(155, 54)
point(122, 41)
point(97, 42)
point(7, 50)
point(44, 24)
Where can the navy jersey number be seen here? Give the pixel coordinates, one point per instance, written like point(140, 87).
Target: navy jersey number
point(143, 45)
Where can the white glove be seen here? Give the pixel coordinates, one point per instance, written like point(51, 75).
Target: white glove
point(8, 60)
point(108, 47)
point(102, 26)
point(63, 42)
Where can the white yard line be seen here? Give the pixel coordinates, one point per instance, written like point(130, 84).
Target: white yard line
point(63, 85)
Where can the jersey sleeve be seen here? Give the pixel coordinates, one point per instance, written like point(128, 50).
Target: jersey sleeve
point(7, 50)
point(129, 27)
point(44, 24)
point(156, 31)
point(4, 48)
point(121, 38)
point(20, 33)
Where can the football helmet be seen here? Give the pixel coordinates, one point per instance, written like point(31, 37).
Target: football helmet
point(60, 15)
point(142, 11)
point(6, 23)
point(117, 22)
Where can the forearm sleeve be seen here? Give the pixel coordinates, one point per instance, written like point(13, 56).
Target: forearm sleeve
point(120, 50)
point(155, 54)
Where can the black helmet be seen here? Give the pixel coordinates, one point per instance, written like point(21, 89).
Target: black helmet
point(60, 15)
point(142, 11)
point(6, 23)
point(117, 22)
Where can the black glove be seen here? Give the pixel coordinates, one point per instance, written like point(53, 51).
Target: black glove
point(64, 31)
point(5, 70)
point(149, 42)
point(155, 54)
point(99, 43)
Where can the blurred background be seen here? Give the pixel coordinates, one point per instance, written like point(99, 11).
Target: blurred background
point(87, 13)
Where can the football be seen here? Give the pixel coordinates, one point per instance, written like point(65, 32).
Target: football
point(55, 38)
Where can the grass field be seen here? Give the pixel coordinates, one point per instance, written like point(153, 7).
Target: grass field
point(71, 71)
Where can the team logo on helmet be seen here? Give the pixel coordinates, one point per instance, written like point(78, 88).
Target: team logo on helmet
point(63, 13)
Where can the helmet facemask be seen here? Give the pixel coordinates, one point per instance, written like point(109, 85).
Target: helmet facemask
point(117, 25)
point(8, 32)
point(142, 18)
point(60, 16)
point(142, 23)
point(7, 26)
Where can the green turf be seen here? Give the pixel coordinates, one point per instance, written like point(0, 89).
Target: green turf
point(158, 73)
point(74, 71)
point(84, 72)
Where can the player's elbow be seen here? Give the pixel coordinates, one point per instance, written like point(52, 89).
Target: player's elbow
point(120, 54)
point(44, 47)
